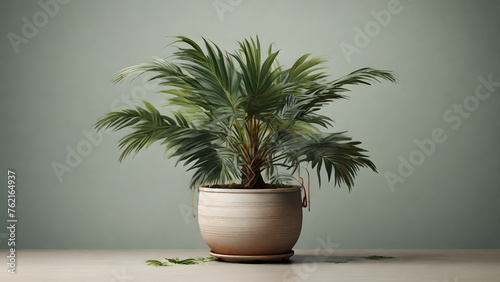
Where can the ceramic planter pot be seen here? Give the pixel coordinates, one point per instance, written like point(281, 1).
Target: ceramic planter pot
point(250, 224)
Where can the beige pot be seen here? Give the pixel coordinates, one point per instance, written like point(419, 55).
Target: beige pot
point(250, 222)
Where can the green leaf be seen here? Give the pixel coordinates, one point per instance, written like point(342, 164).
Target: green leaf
point(339, 261)
point(377, 257)
point(177, 261)
point(154, 262)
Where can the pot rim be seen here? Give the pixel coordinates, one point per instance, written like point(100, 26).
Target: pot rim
point(285, 189)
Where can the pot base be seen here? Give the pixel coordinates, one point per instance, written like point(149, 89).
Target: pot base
point(242, 258)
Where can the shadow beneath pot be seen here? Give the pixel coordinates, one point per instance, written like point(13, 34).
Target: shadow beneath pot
point(301, 259)
point(328, 259)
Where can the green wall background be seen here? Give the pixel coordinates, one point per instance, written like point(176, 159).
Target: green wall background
point(58, 83)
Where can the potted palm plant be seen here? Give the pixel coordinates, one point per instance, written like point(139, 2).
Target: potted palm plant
point(245, 124)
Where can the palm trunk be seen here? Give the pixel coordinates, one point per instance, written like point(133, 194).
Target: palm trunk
point(251, 177)
point(250, 173)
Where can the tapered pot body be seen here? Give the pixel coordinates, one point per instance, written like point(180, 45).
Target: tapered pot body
point(250, 222)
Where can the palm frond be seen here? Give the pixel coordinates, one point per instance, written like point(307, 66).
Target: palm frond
point(241, 114)
point(260, 92)
point(366, 76)
point(335, 152)
point(199, 148)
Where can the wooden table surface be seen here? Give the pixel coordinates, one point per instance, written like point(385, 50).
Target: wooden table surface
point(305, 265)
